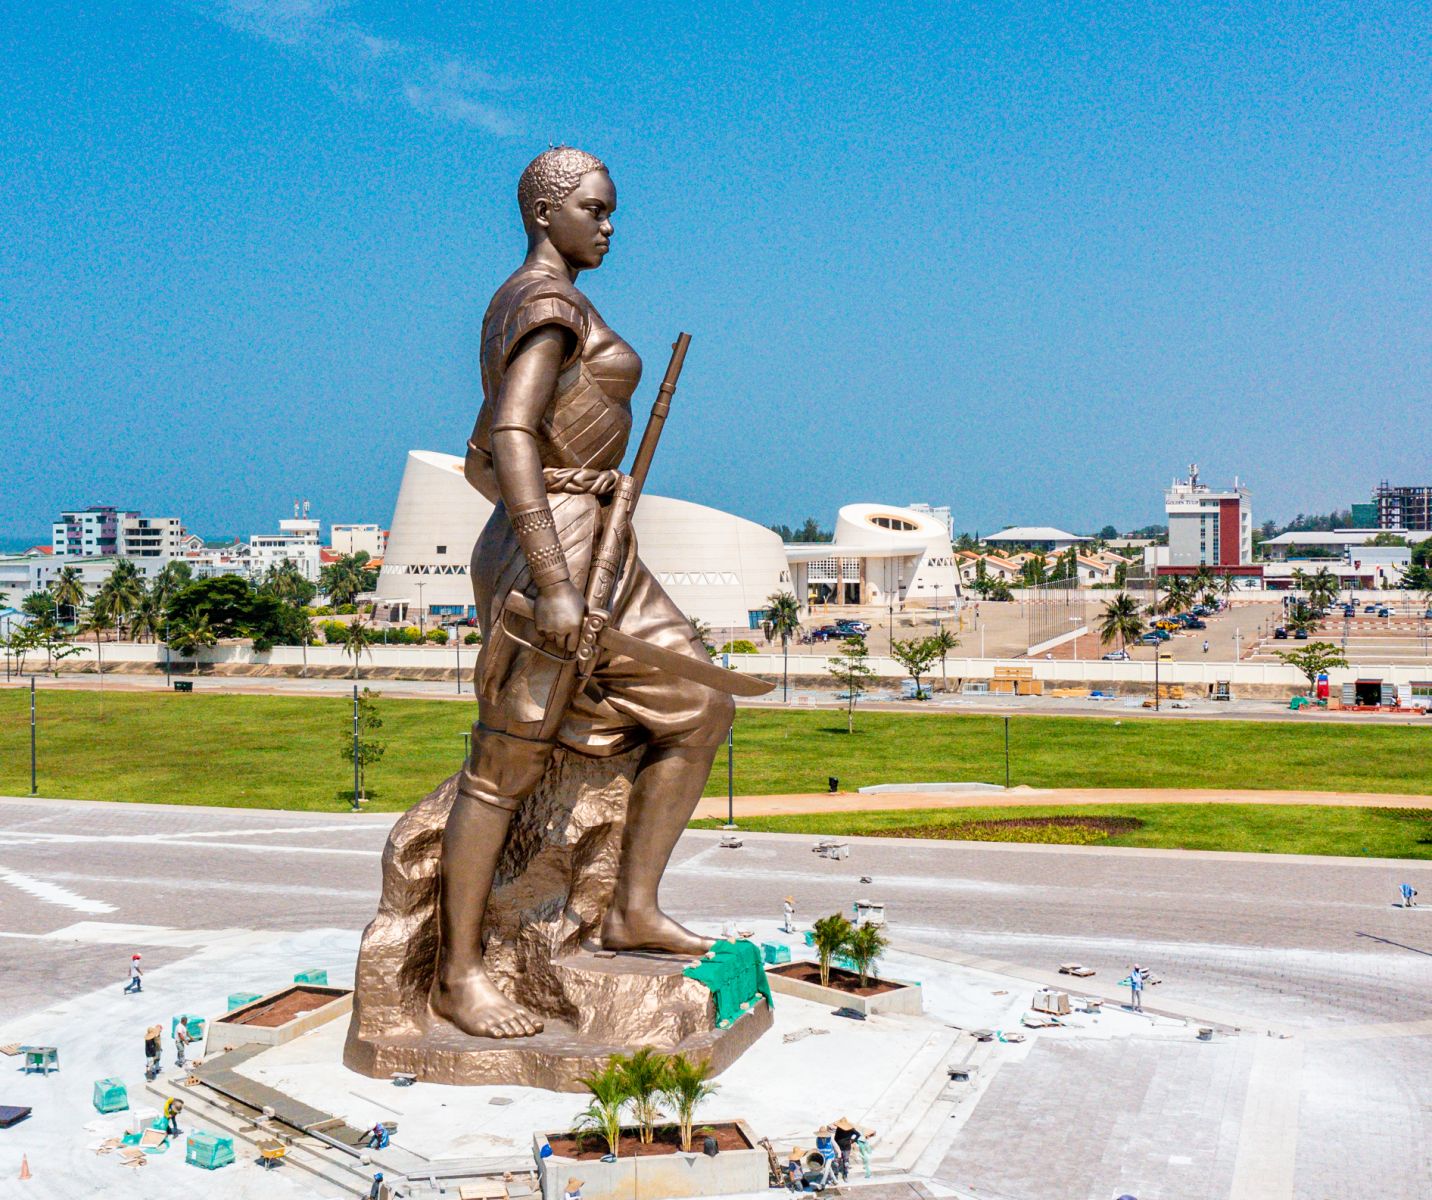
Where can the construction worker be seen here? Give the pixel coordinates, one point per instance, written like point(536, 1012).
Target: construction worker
point(182, 1039)
point(172, 1108)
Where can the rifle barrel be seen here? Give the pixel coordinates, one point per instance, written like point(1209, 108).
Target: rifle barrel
point(641, 464)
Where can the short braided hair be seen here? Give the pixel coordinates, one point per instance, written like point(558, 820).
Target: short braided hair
point(552, 175)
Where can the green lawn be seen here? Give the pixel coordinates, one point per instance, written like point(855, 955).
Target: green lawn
point(1262, 828)
point(284, 752)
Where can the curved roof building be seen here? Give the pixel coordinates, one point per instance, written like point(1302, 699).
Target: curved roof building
point(880, 554)
point(717, 567)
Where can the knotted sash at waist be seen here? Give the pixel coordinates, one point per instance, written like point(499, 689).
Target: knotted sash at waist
point(579, 481)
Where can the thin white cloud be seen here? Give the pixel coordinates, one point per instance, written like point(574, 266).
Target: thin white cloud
point(362, 64)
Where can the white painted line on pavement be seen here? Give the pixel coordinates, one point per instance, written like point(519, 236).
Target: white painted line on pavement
point(160, 840)
point(53, 893)
point(1268, 1139)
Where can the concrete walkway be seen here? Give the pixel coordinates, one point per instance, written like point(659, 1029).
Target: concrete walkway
point(849, 802)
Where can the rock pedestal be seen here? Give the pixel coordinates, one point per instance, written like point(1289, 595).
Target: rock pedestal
point(554, 883)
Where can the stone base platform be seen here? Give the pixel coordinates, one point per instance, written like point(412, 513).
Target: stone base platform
point(621, 1002)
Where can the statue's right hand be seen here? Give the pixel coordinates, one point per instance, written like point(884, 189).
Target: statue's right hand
point(559, 612)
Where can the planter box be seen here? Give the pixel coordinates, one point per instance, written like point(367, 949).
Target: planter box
point(280, 1016)
point(905, 996)
point(657, 1176)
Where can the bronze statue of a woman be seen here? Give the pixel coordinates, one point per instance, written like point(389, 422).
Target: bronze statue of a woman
point(547, 448)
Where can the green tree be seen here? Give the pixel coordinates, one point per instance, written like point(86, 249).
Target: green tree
point(69, 591)
point(644, 1074)
point(186, 634)
point(172, 576)
point(235, 608)
point(851, 668)
point(1300, 616)
point(998, 589)
point(367, 746)
point(342, 581)
point(1120, 621)
point(40, 606)
point(1386, 539)
point(287, 583)
point(943, 641)
point(147, 618)
point(1313, 659)
point(686, 1085)
point(915, 655)
point(1322, 588)
point(356, 639)
point(829, 937)
point(1175, 594)
point(607, 1089)
point(122, 592)
point(783, 620)
point(55, 643)
point(1033, 571)
point(866, 945)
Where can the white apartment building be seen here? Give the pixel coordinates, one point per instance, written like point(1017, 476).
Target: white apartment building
point(296, 541)
point(150, 537)
point(358, 539)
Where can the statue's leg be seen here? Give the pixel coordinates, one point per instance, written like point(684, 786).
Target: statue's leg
point(668, 785)
point(502, 772)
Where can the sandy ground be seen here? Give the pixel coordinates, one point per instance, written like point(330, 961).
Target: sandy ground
point(824, 802)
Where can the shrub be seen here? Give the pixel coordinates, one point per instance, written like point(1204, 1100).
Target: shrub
point(347, 610)
point(741, 646)
point(438, 637)
point(333, 632)
point(472, 638)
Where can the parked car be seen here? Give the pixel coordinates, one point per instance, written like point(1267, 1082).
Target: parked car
point(1370, 609)
point(1163, 635)
point(1119, 655)
point(1150, 639)
point(1350, 610)
point(1201, 610)
point(1195, 623)
point(1384, 612)
point(858, 628)
point(829, 633)
point(1300, 635)
point(1427, 616)
point(1280, 633)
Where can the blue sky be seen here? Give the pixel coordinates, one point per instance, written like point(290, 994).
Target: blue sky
point(1028, 260)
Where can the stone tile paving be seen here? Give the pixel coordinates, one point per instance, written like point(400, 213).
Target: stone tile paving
point(1076, 1119)
point(1365, 1119)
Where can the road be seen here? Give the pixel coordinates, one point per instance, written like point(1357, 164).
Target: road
point(1312, 947)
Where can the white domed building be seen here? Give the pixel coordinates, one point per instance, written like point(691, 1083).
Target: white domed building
point(880, 554)
point(717, 567)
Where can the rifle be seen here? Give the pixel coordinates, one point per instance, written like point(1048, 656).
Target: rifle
point(602, 577)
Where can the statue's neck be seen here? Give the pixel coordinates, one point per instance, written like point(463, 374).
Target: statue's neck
point(541, 252)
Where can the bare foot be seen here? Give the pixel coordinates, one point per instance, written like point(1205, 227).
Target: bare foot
point(475, 1005)
point(651, 930)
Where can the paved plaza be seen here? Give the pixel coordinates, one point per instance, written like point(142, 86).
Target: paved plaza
point(1316, 1083)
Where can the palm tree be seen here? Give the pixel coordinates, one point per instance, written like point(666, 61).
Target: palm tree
point(69, 591)
point(865, 946)
point(341, 581)
point(1120, 619)
point(1176, 593)
point(285, 581)
point(172, 576)
point(1227, 584)
point(783, 620)
point(686, 1085)
point(99, 622)
point(147, 618)
point(123, 591)
point(186, 636)
point(1322, 588)
point(643, 1075)
point(604, 1111)
point(356, 638)
point(829, 937)
point(1300, 616)
point(943, 641)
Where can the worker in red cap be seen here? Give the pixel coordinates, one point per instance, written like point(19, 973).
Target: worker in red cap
point(136, 976)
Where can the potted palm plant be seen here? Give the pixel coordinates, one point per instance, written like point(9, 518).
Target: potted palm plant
point(828, 938)
point(686, 1085)
point(603, 1114)
point(864, 947)
point(643, 1076)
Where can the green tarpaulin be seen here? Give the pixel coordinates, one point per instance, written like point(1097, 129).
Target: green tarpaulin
point(735, 975)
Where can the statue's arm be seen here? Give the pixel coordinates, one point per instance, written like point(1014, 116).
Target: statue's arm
point(527, 390)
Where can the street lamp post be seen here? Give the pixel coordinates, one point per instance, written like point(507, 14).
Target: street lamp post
point(34, 760)
point(937, 608)
point(457, 655)
point(166, 655)
point(420, 610)
point(731, 777)
point(1157, 647)
point(355, 747)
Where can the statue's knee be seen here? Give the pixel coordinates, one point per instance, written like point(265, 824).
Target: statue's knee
point(503, 770)
point(718, 712)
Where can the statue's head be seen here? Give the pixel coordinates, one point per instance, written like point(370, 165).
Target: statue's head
point(567, 198)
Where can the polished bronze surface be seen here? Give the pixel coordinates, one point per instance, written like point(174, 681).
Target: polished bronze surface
point(585, 659)
point(556, 878)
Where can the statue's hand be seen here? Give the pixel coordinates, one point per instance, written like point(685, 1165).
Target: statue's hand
point(559, 612)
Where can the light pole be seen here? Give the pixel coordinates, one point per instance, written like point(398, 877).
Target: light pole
point(34, 785)
point(1157, 647)
point(731, 777)
point(457, 655)
point(1006, 754)
point(167, 680)
point(937, 608)
point(355, 747)
point(420, 587)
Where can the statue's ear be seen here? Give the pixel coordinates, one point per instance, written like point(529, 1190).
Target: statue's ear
point(542, 212)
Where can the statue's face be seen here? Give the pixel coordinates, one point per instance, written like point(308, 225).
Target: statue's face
point(580, 229)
